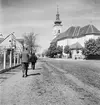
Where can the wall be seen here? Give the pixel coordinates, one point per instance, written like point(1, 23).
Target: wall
point(55, 30)
point(81, 40)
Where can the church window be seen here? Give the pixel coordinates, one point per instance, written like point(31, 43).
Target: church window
point(58, 31)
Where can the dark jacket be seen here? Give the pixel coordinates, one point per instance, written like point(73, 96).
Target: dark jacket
point(25, 57)
point(33, 58)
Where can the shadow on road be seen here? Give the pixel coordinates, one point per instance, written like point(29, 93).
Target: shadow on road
point(35, 69)
point(34, 74)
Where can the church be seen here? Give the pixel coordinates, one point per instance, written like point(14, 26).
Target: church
point(74, 36)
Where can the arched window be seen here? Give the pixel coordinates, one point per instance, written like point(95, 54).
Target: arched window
point(58, 31)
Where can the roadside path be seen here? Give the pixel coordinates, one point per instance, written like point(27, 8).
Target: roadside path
point(17, 90)
point(44, 86)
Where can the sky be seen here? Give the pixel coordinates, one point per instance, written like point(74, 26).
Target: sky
point(38, 16)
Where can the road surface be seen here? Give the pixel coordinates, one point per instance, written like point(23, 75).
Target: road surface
point(52, 84)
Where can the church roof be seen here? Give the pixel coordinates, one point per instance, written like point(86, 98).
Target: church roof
point(76, 46)
point(77, 31)
point(87, 30)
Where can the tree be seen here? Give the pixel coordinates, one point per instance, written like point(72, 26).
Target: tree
point(67, 49)
point(59, 49)
point(98, 46)
point(91, 49)
point(52, 50)
point(30, 42)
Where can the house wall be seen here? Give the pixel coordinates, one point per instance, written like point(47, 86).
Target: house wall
point(77, 55)
point(6, 43)
point(19, 47)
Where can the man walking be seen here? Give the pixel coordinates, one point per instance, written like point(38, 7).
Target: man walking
point(25, 62)
point(33, 60)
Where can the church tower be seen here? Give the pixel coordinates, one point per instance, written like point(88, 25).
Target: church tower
point(57, 28)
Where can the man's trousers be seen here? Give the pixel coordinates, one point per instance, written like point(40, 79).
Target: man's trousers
point(33, 65)
point(24, 68)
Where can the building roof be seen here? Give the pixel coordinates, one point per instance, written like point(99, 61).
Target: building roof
point(77, 31)
point(11, 41)
point(76, 46)
point(87, 30)
point(1, 39)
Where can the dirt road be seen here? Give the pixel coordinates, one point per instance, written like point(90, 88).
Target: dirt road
point(47, 85)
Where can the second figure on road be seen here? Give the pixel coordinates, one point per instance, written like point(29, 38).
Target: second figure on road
point(33, 59)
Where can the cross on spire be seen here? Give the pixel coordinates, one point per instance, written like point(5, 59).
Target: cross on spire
point(57, 15)
point(57, 9)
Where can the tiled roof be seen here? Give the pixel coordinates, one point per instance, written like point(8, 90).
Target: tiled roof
point(76, 46)
point(74, 32)
point(87, 30)
point(1, 39)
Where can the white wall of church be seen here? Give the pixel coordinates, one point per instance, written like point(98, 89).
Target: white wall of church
point(96, 36)
point(63, 42)
point(81, 40)
point(87, 37)
point(72, 41)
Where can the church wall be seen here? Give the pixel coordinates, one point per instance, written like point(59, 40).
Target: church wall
point(62, 42)
point(96, 36)
point(87, 37)
point(72, 41)
point(66, 41)
point(81, 40)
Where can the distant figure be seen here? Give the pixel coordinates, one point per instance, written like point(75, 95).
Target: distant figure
point(25, 62)
point(33, 60)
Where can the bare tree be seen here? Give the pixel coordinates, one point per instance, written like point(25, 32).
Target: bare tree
point(30, 42)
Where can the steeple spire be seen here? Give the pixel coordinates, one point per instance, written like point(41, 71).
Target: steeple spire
point(57, 9)
point(58, 21)
point(57, 24)
point(57, 15)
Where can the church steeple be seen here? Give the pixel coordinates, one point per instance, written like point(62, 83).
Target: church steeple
point(58, 21)
point(57, 24)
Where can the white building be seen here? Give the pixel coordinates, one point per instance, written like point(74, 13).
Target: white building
point(11, 44)
point(75, 35)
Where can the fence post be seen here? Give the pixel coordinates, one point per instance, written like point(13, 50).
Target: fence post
point(10, 58)
point(4, 63)
point(14, 58)
point(17, 59)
